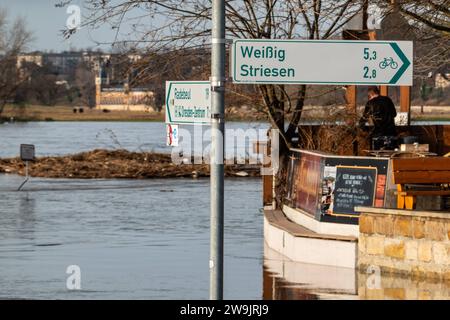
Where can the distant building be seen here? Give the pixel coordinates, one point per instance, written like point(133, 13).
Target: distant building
point(123, 99)
point(66, 62)
point(119, 97)
point(112, 91)
point(35, 58)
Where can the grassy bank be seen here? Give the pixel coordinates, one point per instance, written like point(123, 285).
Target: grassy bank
point(310, 113)
point(65, 113)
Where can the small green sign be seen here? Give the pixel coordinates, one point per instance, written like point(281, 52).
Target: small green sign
point(188, 102)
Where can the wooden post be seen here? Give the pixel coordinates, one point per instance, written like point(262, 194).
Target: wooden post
point(263, 148)
point(267, 190)
point(350, 97)
point(350, 94)
point(405, 101)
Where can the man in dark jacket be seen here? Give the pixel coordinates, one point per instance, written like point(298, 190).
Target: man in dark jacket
point(380, 111)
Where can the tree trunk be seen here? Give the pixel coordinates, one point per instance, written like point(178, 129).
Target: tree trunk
point(275, 101)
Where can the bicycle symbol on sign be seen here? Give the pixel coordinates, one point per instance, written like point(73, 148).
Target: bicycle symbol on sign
point(388, 62)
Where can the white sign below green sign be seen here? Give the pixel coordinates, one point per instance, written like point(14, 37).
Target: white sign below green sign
point(322, 62)
point(188, 102)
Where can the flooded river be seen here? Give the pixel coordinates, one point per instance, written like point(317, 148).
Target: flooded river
point(149, 239)
point(133, 239)
point(145, 239)
point(61, 138)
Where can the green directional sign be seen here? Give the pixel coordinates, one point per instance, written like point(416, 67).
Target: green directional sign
point(322, 62)
point(188, 102)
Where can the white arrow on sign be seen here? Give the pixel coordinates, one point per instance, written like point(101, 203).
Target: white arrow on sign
point(322, 62)
point(188, 102)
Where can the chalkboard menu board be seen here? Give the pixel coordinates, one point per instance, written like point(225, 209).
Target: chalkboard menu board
point(354, 186)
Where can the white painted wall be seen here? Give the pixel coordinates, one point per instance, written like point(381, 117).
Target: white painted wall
point(338, 229)
point(310, 250)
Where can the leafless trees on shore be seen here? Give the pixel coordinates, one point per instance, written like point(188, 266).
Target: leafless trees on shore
point(14, 38)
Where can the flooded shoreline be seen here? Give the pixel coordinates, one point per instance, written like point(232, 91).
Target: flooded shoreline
point(149, 239)
point(64, 138)
point(120, 164)
point(290, 280)
point(132, 239)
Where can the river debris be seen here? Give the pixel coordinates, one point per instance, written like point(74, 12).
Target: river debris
point(116, 164)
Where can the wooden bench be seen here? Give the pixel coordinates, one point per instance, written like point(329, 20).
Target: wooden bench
point(420, 177)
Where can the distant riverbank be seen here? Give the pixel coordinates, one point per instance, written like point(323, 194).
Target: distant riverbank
point(243, 113)
point(118, 164)
point(66, 113)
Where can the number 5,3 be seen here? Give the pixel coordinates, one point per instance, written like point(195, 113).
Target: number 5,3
point(367, 54)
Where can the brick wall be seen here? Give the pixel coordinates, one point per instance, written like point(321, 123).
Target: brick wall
point(415, 243)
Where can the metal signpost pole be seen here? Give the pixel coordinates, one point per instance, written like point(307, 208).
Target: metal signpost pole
point(26, 176)
point(27, 153)
point(217, 148)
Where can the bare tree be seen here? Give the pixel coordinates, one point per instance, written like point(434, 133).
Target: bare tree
point(169, 25)
point(434, 14)
point(14, 38)
point(183, 64)
point(85, 84)
point(428, 24)
point(163, 26)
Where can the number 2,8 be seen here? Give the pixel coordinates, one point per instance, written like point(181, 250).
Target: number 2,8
point(369, 74)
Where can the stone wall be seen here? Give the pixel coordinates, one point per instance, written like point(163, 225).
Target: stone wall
point(413, 243)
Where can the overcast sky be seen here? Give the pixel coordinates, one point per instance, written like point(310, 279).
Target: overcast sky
point(46, 21)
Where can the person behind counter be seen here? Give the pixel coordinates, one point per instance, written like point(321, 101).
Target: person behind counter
point(379, 111)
